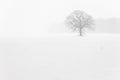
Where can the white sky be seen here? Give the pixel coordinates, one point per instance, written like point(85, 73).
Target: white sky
point(35, 16)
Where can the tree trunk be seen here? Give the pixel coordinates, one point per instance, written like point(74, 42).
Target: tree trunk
point(80, 32)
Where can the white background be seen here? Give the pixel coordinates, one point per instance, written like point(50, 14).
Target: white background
point(23, 56)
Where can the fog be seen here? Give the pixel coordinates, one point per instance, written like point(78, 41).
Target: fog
point(36, 45)
point(108, 26)
point(31, 18)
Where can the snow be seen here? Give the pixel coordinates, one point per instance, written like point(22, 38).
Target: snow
point(60, 57)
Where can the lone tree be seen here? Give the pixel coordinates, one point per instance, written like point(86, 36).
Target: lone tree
point(79, 20)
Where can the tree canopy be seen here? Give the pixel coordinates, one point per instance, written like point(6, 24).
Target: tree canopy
point(78, 20)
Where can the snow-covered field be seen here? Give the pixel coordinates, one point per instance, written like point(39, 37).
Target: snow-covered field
point(60, 57)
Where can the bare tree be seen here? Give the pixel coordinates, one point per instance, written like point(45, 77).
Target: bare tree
point(79, 20)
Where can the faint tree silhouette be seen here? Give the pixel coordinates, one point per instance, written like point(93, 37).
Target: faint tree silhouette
point(78, 21)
